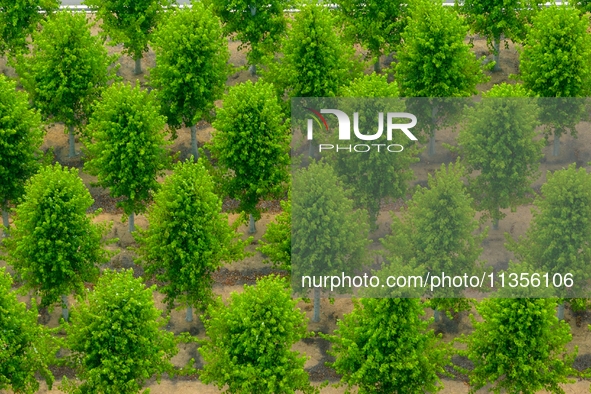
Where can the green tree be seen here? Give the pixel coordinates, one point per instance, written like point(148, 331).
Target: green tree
point(375, 24)
point(25, 346)
point(556, 62)
point(498, 142)
point(376, 175)
point(18, 19)
point(116, 339)
point(328, 236)
point(250, 340)
point(558, 239)
point(191, 66)
point(276, 243)
point(188, 238)
point(437, 232)
point(251, 145)
point(55, 247)
point(519, 347)
point(67, 70)
point(384, 346)
point(126, 146)
point(257, 24)
point(21, 135)
point(499, 19)
point(434, 60)
point(129, 23)
point(316, 62)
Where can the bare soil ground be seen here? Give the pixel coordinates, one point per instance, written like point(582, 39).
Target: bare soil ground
point(233, 277)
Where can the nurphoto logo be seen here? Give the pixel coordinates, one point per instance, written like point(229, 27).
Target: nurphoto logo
point(344, 123)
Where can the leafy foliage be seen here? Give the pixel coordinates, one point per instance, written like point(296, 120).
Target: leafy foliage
point(375, 24)
point(498, 142)
point(520, 346)
point(257, 24)
point(55, 247)
point(250, 340)
point(499, 18)
point(383, 346)
point(436, 231)
point(316, 62)
point(126, 145)
point(328, 236)
point(21, 136)
point(558, 239)
point(129, 22)
point(191, 70)
point(377, 174)
point(116, 338)
point(276, 243)
point(25, 347)
point(251, 144)
point(433, 59)
point(67, 70)
point(18, 19)
point(189, 238)
point(556, 56)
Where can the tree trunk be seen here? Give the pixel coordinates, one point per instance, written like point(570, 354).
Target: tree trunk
point(138, 66)
point(252, 69)
point(437, 315)
point(497, 54)
point(560, 311)
point(131, 223)
point(5, 217)
point(432, 144)
point(189, 316)
point(377, 66)
point(65, 312)
point(556, 148)
point(194, 145)
point(495, 224)
point(72, 141)
point(316, 317)
point(432, 138)
point(251, 225)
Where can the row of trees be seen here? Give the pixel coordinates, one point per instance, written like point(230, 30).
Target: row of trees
point(117, 343)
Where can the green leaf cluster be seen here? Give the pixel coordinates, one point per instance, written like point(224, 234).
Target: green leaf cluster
point(499, 18)
point(18, 19)
point(126, 146)
point(55, 247)
point(276, 243)
point(189, 237)
point(328, 235)
point(316, 61)
point(21, 135)
point(258, 24)
point(191, 64)
point(556, 55)
point(499, 142)
point(67, 69)
point(128, 22)
point(251, 145)
point(437, 229)
point(519, 347)
point(375, 24)
point(250, 340)
point(433, 59)
point(375, 175)
point(384, 346)
point(558, 239)
point(25, 346)
point(115, 337)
